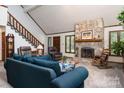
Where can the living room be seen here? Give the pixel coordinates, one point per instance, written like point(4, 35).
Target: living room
point(85, 43)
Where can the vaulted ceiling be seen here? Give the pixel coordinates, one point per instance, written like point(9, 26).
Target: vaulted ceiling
point(62, 18)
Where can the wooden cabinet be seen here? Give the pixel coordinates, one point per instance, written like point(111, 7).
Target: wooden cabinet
point(9, 45)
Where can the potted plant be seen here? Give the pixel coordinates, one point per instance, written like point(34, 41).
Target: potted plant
point(118, 48)
point(120, 17)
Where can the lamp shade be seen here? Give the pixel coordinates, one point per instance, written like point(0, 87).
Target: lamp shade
point(40, 47)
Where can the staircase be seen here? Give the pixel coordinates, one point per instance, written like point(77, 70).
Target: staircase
point(15, 24)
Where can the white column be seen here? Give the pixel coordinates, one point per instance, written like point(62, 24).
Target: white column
point(0, 44)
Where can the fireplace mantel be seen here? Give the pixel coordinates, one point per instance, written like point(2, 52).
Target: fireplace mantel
point(88, 40)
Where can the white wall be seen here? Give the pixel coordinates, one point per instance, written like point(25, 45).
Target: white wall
point(18, 12)
point(3, 15)
point(0, 44)
point(18, 40)
point(106, 34)
point(62, 43)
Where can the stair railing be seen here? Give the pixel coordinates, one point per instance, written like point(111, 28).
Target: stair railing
point(15, 24)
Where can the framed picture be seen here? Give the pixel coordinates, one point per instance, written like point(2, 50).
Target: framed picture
point(87, 34)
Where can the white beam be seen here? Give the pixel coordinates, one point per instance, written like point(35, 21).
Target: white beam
point(30, 8)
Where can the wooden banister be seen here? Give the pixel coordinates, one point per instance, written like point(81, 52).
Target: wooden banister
point(15, 24)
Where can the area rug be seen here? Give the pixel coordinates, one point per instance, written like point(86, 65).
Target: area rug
point(103, 78)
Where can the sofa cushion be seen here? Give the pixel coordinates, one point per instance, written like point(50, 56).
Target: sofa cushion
point(47, 63)
point(30, 59)
point(46, 57)
point(26, 58)
point(17, 57)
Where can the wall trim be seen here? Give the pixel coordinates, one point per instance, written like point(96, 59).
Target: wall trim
point(61, 32)
point(4, 6)
point(111, 26)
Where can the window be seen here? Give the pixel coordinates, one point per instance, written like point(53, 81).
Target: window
point(49, 41)
point(115, 36)
point(70, 44)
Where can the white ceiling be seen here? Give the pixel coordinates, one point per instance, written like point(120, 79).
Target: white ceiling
point(61, 18)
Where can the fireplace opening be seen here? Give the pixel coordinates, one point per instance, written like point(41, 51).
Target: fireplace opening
point(87, 52)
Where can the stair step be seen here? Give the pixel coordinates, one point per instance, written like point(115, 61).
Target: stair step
point(16, 31)
point(8, 24)
point(12, 26)
point(26, 39)
point(23, 37)
point(32, 44)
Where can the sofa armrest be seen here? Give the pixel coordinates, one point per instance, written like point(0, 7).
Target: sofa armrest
point(72, 79)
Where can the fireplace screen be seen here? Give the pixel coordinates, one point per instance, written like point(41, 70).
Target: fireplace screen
point(87, 52)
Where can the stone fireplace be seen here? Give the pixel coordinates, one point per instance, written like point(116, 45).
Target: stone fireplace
point(89, 38)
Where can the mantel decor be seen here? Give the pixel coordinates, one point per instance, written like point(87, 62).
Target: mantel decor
point(87, 34)
point(90, 29)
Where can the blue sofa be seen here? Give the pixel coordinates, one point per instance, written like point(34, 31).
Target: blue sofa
point(42, 73)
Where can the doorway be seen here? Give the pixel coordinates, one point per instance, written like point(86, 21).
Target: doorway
point(56, 43)
point(2, 43)
point(3, 46)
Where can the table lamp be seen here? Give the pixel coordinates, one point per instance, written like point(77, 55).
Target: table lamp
point(39, 49)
